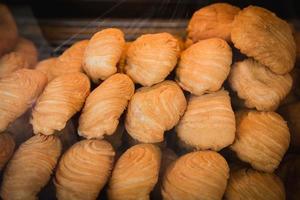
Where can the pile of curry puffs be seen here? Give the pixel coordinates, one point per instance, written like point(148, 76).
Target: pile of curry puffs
point(206, 118)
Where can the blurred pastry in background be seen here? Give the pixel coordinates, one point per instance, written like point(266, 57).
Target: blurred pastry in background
point(151, 58)
point(18, 91)
point(30, 168)
point(154, 110)
point(214, 20)
point(24, 55)
point(198, 175)
point(135, 173)
point(104, 106)
point(204, 66)
point(208, 123)
point(251, 184)
point(8, 30)
point(7, 145)
point(103, 53)
point(83, 170)
point(258, 86)
point(262, 138)
point(259, 33)
point(61, 99)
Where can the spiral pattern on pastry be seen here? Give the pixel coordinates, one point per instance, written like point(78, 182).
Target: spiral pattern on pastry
point(18, 91)
point(136, 173)
point(30, 168)
point(83, 170)
point(151, 57)
point(260, 34)
point(212, 21)
point(208, 122)
point(262, 138)
point(200, 175)
point(104, 106)
point(204, 66)
point(103, 53)
point(258, 86)
point(7, 145)
point(249, 184)
point(61, 99)
point(154, 110)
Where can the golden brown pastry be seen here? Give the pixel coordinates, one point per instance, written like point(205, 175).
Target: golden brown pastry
point(104, 106)
point(7, 146)
point(154, 110)
point(122, 61)
point(24, 55)
point(18, 91)
point(204, 66)
point(260, 34)
point(8, 30)
point(135, 173)
point(83, 170)
point(291, 114)
point(212, 21)
point(248, 184)
point(262, 138)
point(258, 86)
point(30, 168)
point(151, 57)
point(208, 122)
point(103, 53)
point(200, 175)
point(61, 99)
point(45, 65)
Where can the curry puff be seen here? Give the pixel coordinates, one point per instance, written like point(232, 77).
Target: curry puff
point(151, 57)
point(212, 21)
point(30, 168)
point(7, 145)
point(262, 138)
point(24, 55)
point(260, 34)
point(18, 91)
point(208, 122)
point(61, 99)
point(103, 53)
point(135, 173)
point(154, 110)
point(104, 106)
point(248, 184)
point(204, 66)
point(258, 86)
point(83, 170)
point(200, 175)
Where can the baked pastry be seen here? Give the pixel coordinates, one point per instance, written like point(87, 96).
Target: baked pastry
point(208, 122)
point(151, 57)
point(258, 86)
point(30, 168)
point(8, 30)
point(248, 184)
point(104, 106)
point(18, 91)
point(204, 66)
point(7, 145)
point(262, 138)
point(135, 173)
point(24, 55)
point(211, 21)
point(83, 170)
point(103, 53)
point(260, 34)
point(61, 99)
point(198, 175)
point(45, 65)
point(122, 61)
point(291, 114)
point(150, 112)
